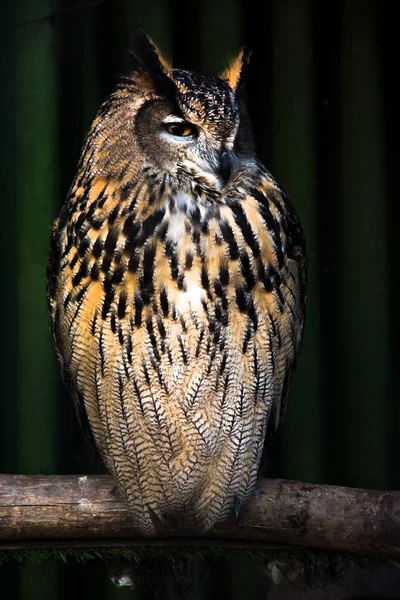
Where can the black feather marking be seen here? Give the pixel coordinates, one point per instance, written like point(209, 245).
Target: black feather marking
point(164, 302)
point(138, 310)
point(217, 336)
point(271, 222)
point(146, 374)
point(162, 230)
point(205, 281)
point(229, 239)
point(212, 325)
point(74, 260)
point(247, 337)
point(218, 288)
point(244, 226)
point(196, 237)
point(189, 260)
point(223, 364)
point(80, 220)
point(204, 228)
point(247, 271)
point(138, 395)
point(153, 341)
point(162, 187)
point(263, 276)
point(113, 214)
point(195, 217)
point(109, 297)
point(241, 299)
point(131, 228)
point(133, 263)
point(111, 240)
point(126, 190)
point(211, 359)
point(106, 264)
point(183, 351)
point(150, 224)
point(122, 304)
point(174, 265)
point(70, 243)
point(221, 315)
point(181, 282)
point(272, 322)
point(96, 223)
point(97, 248)
point(94, 323)
point(67, 300)
point(118, 275)
point(83, 246)
point(161, 328)
point(169, 355)
point(199, 343)
point(169, 248)
point(151, 197)
point(252, 312)
point(280, 298)
point(146, 279)
point(80, 295)
point(82, 272)
point(223, 274)
point(78, 305)
point(102, 198)
point(183, 324)
point(95, 272)
point(129, 349)
point(241, 402)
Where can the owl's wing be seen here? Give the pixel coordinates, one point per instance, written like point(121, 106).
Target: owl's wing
point(55, 311)
point(297, 270)
point(284, 274)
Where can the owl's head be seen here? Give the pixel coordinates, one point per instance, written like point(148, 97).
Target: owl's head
point(180, 122)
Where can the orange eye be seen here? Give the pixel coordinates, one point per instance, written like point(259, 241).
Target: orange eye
point(180, 129)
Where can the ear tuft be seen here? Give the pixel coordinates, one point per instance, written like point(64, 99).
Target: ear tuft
point(235, 72)
point(149, 59)
point(149, 56)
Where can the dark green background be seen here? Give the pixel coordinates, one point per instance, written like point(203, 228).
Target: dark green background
point(324, 112)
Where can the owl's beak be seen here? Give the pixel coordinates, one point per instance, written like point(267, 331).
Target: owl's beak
point(224, 168)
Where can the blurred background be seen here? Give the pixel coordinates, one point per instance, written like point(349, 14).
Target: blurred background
point(320, 97)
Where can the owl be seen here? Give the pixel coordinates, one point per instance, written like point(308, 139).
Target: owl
point(176, 287)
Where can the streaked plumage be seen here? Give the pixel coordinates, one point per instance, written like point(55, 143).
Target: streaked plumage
point(176, 290)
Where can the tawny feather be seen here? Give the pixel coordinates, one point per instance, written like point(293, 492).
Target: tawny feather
point(233, 74)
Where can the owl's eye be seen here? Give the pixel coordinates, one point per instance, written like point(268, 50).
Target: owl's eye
point(180, 129)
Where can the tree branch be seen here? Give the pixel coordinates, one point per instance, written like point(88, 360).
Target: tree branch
point(73, 511)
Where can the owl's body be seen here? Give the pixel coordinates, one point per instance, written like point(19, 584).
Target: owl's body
point(176, 285)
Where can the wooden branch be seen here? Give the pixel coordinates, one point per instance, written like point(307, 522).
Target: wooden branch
point(73, 511)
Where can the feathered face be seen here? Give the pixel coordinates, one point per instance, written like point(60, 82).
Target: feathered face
point(184, 124)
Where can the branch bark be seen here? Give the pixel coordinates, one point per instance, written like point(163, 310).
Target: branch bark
point(73, 511)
